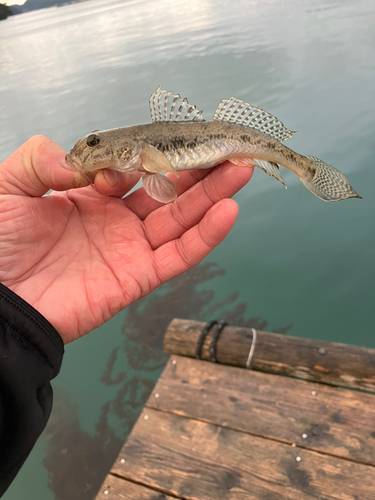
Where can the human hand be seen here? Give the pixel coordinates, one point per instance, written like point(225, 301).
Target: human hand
point(81, 255)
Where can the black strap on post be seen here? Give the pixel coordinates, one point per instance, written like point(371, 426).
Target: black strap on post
point(215, 336)
point(202, 336)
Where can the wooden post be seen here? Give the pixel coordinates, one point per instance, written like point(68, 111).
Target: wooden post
point(318, 361)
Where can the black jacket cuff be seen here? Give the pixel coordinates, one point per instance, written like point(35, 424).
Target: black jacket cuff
point(31, 353)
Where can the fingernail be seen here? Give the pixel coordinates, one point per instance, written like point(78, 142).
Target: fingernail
point(111, 177)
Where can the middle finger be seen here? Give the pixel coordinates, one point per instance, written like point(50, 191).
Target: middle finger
point(171, 221)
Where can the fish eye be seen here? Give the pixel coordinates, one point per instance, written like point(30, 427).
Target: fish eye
point(92, 140)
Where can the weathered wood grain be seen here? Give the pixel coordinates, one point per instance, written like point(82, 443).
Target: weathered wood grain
point(195, 460)
point(115, 488)
point(318, 361)
point(337, 421)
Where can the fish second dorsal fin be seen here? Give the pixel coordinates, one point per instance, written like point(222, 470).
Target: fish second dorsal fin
point(166, 107)
point(235, 111)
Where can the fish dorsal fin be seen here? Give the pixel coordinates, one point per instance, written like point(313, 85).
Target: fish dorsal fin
point(235, 111)
point(166, 107)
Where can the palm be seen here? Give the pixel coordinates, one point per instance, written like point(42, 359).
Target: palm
point(79, 256)
point(79, 247)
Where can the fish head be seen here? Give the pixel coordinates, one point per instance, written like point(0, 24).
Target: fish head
point(100, 149)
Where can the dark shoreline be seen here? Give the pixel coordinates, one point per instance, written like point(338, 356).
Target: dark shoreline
point(30, 5)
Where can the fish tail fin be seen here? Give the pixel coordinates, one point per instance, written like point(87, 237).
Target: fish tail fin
point(328, 183)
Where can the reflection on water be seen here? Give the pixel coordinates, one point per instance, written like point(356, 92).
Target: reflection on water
point(290, 258)
point(131, 368)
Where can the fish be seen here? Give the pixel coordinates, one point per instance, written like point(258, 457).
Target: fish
point(179, 139)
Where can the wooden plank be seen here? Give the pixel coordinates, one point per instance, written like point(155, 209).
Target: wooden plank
point(199, 461)
point(115, 488)
point(336, 421)
point(315, 360)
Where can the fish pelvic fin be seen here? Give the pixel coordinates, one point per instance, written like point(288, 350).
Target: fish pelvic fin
point(166, 107)
point(242, 113)
point(159, 187)
point(155, 161)
point(328, 183)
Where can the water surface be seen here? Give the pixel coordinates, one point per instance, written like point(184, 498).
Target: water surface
point(291, 259)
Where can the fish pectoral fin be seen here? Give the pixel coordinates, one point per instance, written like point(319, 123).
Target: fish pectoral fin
point(155, 161)
point(159, 187)
point(328, 183)
point(272, 169)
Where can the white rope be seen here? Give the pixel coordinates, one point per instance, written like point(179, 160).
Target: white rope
point(252, 348)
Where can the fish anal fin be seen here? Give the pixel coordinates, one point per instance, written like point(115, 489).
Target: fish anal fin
point(328, 183)
point(155, 161)
point(166, 107)
point(242, 113)
point(243, 162)
point(272, 169)
point(159, 187)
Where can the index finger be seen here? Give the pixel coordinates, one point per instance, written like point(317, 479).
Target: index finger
point(142, 204)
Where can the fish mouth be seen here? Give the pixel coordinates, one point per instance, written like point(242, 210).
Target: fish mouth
point(77, 165)
point(73, 162)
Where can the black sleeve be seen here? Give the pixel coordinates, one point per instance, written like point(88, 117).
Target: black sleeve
point(31, 352)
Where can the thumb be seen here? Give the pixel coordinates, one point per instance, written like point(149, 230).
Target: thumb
point(35, 168)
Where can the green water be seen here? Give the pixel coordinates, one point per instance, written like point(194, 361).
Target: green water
point(291, 260)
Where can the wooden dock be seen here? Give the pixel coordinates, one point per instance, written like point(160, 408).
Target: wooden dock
point(291, 427)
